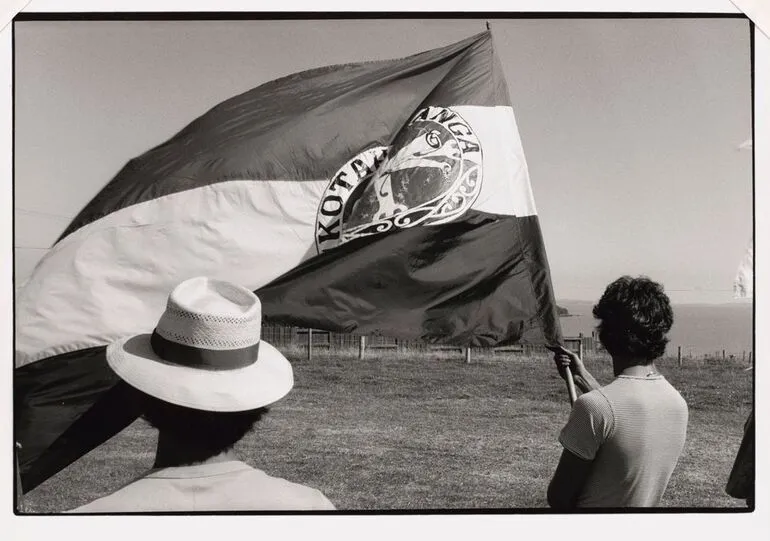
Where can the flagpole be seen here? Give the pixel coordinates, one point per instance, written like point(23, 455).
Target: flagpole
point(567, 375)
point(570, 385)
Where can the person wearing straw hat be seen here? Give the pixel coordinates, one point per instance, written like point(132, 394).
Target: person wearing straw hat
point(204, 378)
point(622, 441)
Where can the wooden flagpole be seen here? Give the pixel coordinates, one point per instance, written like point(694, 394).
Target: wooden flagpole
point(570, 386)
point(567, 376)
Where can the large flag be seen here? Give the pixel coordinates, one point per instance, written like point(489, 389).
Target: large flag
point(389, 197)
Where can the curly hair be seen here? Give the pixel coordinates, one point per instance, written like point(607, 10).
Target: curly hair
point(208, 432)
point(634, 316)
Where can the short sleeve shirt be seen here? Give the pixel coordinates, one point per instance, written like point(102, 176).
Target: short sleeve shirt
point(633, 430)
point(590, 424)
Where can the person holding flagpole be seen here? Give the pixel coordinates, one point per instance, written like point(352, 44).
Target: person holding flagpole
point(623, 440)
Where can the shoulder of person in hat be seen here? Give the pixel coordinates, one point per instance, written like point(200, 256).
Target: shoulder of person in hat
point(203, 378)
point(240, 487)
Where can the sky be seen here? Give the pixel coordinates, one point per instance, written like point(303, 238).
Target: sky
point(631, 127)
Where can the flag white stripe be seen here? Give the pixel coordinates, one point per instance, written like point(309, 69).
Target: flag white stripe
point(112, 278)
point(505, 188)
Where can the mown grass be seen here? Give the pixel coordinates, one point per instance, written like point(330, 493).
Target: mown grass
point(427, 431)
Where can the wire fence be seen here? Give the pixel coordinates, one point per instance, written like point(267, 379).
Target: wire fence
point(310, 340)
point(314, 340)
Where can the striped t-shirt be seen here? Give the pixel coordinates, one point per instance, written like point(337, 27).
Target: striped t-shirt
point(633, 430)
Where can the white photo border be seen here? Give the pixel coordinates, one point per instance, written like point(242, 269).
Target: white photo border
point(465, 526)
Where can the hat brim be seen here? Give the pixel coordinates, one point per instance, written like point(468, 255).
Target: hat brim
point(265, 381)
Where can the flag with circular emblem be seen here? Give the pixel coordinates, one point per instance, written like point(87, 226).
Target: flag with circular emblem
point(386, 197)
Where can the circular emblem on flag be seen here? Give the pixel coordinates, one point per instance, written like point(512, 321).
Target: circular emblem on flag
point(431, 174)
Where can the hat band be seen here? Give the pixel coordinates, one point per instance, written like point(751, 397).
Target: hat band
point(207, 359)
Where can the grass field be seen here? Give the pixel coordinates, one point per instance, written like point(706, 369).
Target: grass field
point(427, 431)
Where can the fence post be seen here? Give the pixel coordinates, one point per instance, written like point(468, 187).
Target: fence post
point(361, 346)
point(723, 355)
point(749, 357)
point(310, 344)
point(679, 356)
point(580, 347)
point(468, 355)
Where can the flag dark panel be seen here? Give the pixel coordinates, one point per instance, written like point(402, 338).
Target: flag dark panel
point(65, 406)
point(476, 79)
point(480, 281)
point(305, 125)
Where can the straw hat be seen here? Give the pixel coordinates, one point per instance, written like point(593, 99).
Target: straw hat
point(205, 352)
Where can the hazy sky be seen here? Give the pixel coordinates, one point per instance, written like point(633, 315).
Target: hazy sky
point(631, 127)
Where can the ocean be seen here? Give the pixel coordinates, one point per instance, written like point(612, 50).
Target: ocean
point(700, 329)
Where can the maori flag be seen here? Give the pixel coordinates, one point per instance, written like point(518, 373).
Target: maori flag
point(383, 197)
